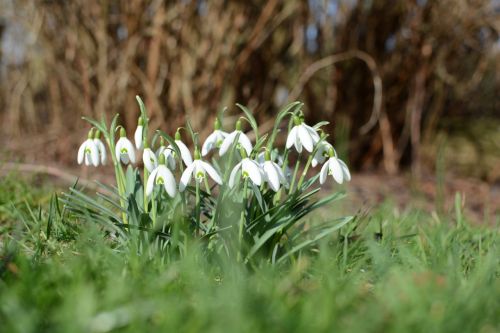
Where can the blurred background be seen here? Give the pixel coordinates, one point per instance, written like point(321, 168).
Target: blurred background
point(407, 85)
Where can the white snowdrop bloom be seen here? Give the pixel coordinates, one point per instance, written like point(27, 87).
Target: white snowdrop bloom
point(185, 153)
point(161, 175)
point(198, 169)
point(138, 135)
point(335, 167)
point(243, 140)
point(272, 173)
point(170, 157)
point(88, 152)
point(214, 140)
point(249, 169)
point(321, 153)
point(302, 135)
point(149, 159)
point(168, 152)
point(124, 150)
point(100, 147)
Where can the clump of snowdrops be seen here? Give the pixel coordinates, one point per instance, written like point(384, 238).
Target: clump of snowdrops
point(238, 198)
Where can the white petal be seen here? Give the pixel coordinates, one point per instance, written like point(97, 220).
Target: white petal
point(168, 180)
point(138, 137)
point(292, 137)
point(186, 177)
point(212, 172)
point(118, 148)
point(88, 160)
point(149, 159)
point(336, 170)
point(81, 153)
point(253, 170)
point(314, 135)
point(220, 135)
point(226, 144)
point(305, 138)
point(169, 157)
point(94, 152)
point(345, 171)
point(272, 175)
point(151, 182)
point(102, 150)
point(323, 173)
point(298, 144)
point(130, 150)
point(185, 153)
point(209, 144)
point(232, 176)
point(245, 143)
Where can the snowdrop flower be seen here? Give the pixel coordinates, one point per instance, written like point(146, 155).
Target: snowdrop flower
point(198, 169)
point(89, 151)
point(149, 159)
point(249, 169)
point(138, 135)
point(185, 154)
point(272, 173)
point(161, 175)
point(124, 150)
point(214, 140)
point(335, 167)
point(302, 135)
point(100, 147)
point(168, 152)
point(243, 140)
point(322, 152)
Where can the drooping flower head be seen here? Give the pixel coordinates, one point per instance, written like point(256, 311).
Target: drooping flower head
point(162, 176)
point(302, 135)
point(335, 167)
point(139, 133)
point(88, 151)
point(168, 152)
point(100, 147)
point(322, 153)
point(214, 140)
point(249, 169)
point(198, 169)
point(272, 172)
point(243, 140)
point(124, 150)
point(185, 153)
point(149, 158)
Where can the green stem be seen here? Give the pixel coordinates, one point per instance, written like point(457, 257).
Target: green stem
point(197, 207)
point(292, 183)
point(154, 210)
point(146, 177)
point(242, 219)
point(222, 189)
point(304, 172)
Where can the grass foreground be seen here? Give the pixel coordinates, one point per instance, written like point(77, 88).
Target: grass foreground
point(387, 272)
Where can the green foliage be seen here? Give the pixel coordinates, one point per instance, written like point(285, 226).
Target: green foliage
point(386, 272)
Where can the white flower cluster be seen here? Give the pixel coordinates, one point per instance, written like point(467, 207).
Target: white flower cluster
point(258, 168)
